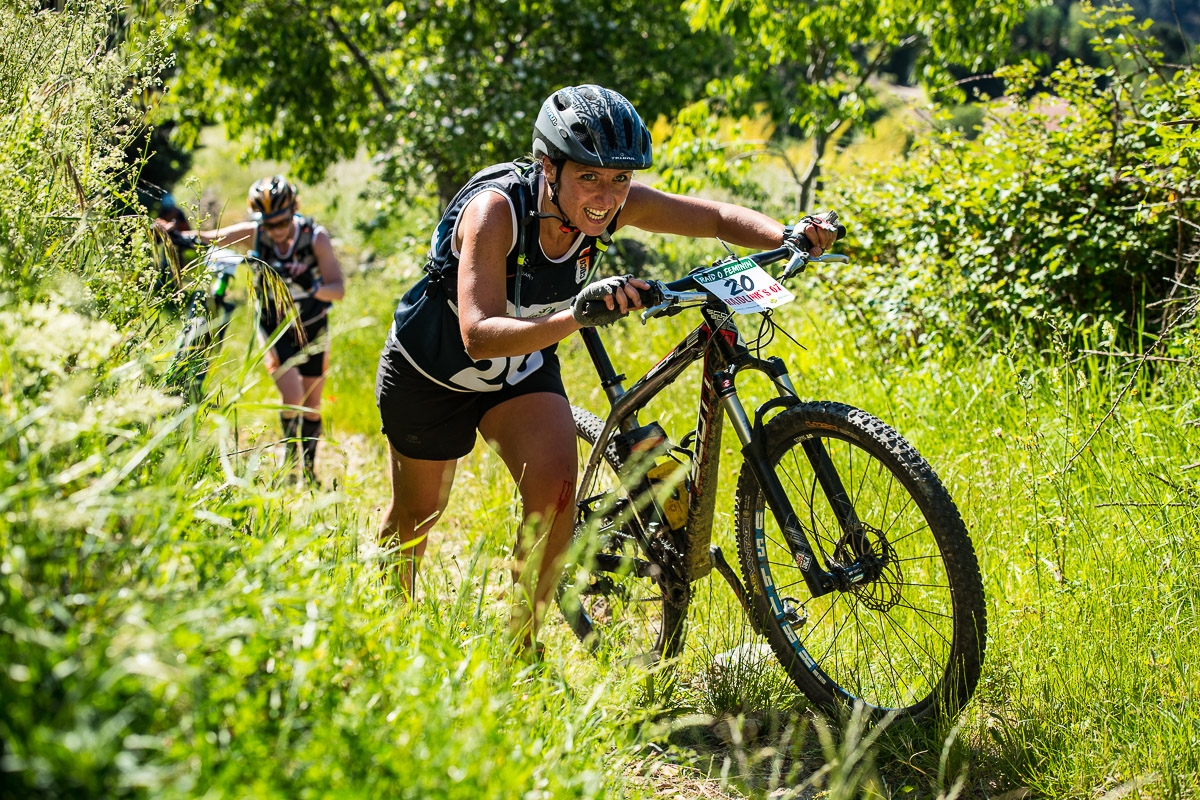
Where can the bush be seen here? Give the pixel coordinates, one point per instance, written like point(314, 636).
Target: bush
point(1076, 203)
point(966, 120)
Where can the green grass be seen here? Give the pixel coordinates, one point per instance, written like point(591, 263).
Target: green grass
point(177, 622)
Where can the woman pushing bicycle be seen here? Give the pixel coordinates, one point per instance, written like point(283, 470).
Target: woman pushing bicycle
point(300, 253)
point(472, 344)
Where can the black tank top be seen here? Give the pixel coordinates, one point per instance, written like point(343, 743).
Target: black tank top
point(300, 287)
point(425, 328)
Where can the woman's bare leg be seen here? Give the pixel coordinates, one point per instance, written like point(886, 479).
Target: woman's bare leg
point(535, 436)
point(310, 426)
point(420, 491)
point(291, 393)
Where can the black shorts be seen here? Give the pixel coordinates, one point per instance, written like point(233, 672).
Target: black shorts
point(308, 358)
point(425, 420)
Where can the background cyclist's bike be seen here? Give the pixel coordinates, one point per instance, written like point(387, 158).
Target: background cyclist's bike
point(855, 563)
point(204, 324)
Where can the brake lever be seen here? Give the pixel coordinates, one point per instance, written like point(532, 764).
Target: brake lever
point(654, 311)
point(670, 303)
point(660, 296)
point(795, 265)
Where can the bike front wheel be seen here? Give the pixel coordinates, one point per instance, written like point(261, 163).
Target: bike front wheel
point(617, 594)
point(909, 637)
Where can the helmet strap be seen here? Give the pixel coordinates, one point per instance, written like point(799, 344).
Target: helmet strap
point(564, 221)
point(565, 224)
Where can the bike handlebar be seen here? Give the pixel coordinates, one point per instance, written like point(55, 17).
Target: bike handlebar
point(671, 297)
point(668, 298)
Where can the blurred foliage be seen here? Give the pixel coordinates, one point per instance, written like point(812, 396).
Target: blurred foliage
point(69, 104)
point(1051, 33)
point(436, 89)
point(1056, 31)
point(966, 120)
point(1078, 201)
point(812, 67)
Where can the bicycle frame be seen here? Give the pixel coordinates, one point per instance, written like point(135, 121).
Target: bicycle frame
point(205, 324)
point(718, 342)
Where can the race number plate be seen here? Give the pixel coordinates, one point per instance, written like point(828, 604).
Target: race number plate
point(745, 287)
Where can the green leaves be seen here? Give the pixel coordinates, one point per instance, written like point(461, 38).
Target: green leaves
point(435, 90)
point(1070, 202)
point(810, 66)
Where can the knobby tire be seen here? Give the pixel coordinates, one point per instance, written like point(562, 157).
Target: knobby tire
point(909, 640)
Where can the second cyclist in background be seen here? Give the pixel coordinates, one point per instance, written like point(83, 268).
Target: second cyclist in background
point(173, 250)
point(300, 253)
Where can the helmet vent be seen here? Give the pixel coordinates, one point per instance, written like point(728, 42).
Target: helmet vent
point(610, 132)
point(593, 126)
point(584, 136)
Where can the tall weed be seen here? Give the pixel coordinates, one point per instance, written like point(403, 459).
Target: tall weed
point(173, 621)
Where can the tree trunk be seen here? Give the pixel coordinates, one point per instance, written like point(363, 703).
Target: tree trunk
point(808, 181)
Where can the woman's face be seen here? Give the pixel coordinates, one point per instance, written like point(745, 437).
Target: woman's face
point(279, 230)
point(591, 196)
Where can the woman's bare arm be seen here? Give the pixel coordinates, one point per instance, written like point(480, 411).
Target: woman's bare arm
point(332, 283)
point(659, 212)
point(487, 329)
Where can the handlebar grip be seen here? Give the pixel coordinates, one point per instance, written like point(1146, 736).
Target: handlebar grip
point(598, 309)
point(652, 296)
point(828, 218)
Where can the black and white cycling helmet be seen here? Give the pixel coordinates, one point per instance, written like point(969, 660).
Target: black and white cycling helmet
point(594, 126)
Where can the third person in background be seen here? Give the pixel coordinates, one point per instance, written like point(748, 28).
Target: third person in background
point(298, 252)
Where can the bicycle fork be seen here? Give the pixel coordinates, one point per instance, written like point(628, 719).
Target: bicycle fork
point(819, 581)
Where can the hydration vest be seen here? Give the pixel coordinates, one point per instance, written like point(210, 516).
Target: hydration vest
point(300, 287)
point(425, 327)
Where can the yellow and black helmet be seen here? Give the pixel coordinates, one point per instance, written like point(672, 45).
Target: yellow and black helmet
point(271, 198)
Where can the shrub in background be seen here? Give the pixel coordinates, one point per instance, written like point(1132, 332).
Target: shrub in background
point(1077, 202)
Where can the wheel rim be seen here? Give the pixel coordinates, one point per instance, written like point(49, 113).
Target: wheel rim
point(888, 641)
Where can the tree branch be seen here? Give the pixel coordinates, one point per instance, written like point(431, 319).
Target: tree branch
point(381, 92)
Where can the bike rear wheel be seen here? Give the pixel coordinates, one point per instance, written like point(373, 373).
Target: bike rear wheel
point(909, 637)
point(617, 595)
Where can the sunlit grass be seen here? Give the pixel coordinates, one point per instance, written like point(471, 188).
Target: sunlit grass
point(178, 621)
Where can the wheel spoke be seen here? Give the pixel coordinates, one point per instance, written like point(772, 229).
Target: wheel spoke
point(631, 615)
point(893, 638)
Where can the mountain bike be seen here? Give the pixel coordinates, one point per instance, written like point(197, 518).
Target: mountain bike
point(855, 563)
point(204, 325)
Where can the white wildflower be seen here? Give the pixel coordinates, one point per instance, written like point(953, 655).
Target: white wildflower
point(46, 339)
point(130, 404)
